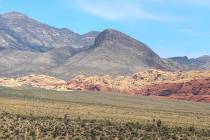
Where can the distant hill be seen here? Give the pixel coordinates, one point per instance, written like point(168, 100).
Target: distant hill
point(30, 47)
point(186, 63)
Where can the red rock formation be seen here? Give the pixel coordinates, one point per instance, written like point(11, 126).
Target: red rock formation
point(191, 85)
point(195, 90)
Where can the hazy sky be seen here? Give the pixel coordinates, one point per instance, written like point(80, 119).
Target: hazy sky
point(169, 27)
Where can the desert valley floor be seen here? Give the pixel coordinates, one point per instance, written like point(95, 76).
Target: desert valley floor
point(38, 113)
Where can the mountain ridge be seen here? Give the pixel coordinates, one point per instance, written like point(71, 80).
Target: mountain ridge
point(28, 46)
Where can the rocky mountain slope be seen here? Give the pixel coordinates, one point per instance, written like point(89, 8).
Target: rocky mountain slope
point(30, 47)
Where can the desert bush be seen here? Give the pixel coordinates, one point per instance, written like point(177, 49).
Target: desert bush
point(30, 127)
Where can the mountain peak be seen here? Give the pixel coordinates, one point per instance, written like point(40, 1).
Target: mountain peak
point(111, 32)
point(14, 15)
point(110, 35)
point(116, 37)
point(181, 59)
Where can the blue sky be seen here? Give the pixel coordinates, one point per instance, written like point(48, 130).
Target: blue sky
point(169, 27)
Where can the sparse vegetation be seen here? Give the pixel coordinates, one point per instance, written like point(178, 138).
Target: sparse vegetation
point(44, 114)
point(30, 127)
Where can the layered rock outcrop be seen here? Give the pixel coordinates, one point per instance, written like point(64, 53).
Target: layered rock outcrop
point(190, 86)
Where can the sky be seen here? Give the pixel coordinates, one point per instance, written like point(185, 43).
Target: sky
point(169, 27)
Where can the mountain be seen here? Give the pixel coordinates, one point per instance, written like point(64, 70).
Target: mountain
point(28, 46)
point(31, 47)
point(20, 32)
point(113, 53)
point(199, 63)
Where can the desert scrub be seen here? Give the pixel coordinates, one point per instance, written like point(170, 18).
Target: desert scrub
point(17, 126)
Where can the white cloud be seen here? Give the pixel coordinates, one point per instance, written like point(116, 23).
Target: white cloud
point(119, 9)
point(126, 10)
